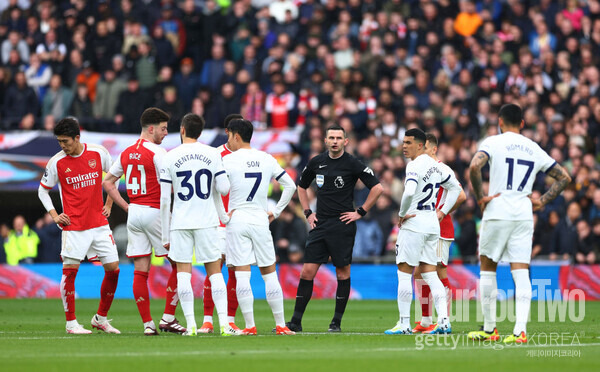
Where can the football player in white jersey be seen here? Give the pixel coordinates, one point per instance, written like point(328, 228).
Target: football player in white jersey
point(195, 173)
point(420, 229)
point(443, 247)
point(507, 225)
point(249, 240)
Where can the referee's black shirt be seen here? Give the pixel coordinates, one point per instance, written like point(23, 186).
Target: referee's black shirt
point(335, 179)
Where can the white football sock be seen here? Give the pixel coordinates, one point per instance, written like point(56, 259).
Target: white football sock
point(150, 324)
point(186, 298)
point(488, 292)
point(208, 319)
point(72, 323)
point(405, 293)
point(168, 317)
point(274, 297)
point(522, 299)
point(426, 321)
point(439, 295)
point(231, 319)
point(219, 295)
point(245, 297)
point(101, 318)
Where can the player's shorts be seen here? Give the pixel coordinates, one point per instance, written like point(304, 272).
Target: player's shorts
point(222, 239)
point(97, 243)
point(443, 251)
point(414, 247)
point(201, 242)
point(144, 232)
point(333, 238)
point(249, 245)
point(504, 240)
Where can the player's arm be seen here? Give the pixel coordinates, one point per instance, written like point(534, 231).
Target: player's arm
point(106, 166)
point(165, 210)
point(59, 219)
point(308, 175)
point(562, 179)
point(454, 190)
point(222, 184)
point(479, 161)
point(374, 194)
point(288, 191)
point(110, 183)
point(410, 188)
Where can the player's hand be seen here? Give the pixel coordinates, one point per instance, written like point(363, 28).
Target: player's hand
point(312, 220)
point(106, 211)
point(167, 246)
point(405, 218)
point(349, 217)
point(485, 200)
point(536, 204)
point(230, 213)
point(271, 217)
point(62, 219)
point(440, 214)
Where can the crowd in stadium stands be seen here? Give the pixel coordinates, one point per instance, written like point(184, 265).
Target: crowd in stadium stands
point(375, 67)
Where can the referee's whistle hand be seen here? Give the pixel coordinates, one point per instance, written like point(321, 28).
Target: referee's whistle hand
point(312, 221)
point(349, 217)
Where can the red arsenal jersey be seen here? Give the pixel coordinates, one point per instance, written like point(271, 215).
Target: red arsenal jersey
point(446, 225)
point(140, 163)
point(79, 180)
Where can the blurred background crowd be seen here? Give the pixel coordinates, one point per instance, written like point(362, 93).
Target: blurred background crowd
point(375, 67)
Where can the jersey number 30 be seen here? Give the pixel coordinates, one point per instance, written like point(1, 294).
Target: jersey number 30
point(197, 187)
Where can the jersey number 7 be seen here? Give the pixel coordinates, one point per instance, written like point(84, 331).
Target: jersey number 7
point(258, 177)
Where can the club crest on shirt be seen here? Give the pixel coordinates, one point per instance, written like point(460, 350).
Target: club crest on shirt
point(339, 182)
point(92, 163)
point(320, 180)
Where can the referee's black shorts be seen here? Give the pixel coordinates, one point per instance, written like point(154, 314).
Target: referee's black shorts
point(330, 238)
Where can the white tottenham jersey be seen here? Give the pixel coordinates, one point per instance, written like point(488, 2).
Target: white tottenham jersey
point(192, 168)
point(250, 172)
point(429, 176)
point(514, 163)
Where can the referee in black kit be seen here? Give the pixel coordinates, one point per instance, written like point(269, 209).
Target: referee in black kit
point(332, 227)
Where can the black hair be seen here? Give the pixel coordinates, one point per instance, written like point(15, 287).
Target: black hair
point(230, 117)
point(68, 126)
point(417, 133)
point(153, 116)
point(511, 114)
point(335, 127)
point(242, 127)
point(193, 125)
point(431, 138)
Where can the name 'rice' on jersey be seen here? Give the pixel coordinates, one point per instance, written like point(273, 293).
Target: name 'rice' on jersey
point(335, 179)
point(192, 169)
point(250, 172)
point(514, 162)
point(429, 176)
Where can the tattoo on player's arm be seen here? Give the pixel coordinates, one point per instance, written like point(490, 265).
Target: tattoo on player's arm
point(562, 181)
point(478, 162)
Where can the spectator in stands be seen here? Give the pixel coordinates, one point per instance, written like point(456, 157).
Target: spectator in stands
point(227, 102)
point(130, 106)
point(187, 83)
point(165, 54)
point(145, 66)
point(468, 20)
point(289, 235)
point(90, 78)
point(21, 245)
point(104, 46)
point(82, 107)
point(20, 101)
point(38, 76)
point(213, 69)
point(14, 42)
point(173, 28)
point(587, 246)
point(4, 230)
point(52, 52)
point(172, 106)
point(50, 239)
point(58, 99)
point(564, 240)
point(108, 92)
point(369, 238)
point(252, 105)
point(278, 107)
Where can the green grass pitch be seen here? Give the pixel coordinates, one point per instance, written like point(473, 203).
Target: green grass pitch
point(33, 338)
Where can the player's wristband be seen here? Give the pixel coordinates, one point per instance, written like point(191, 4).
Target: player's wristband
point(361, 211)
point(307, 212)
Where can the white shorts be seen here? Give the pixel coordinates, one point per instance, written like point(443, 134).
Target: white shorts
point(223, 239)
point(443, 251)
point(414, 247)
point(249, 245)
point(503, 240)
point(204, 243)
point(96, 243)
point(144, 232)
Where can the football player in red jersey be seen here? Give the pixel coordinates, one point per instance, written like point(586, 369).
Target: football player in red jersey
point(77, 169)
point(140, 163)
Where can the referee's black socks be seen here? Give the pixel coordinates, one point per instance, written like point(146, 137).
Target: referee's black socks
point(341, 299)
point(305, 289)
